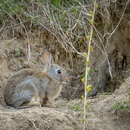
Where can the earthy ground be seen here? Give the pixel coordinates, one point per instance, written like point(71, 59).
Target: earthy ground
point(100, 115)
point(68, 115)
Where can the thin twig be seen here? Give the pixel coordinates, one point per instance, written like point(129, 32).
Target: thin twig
point(29, 51)
point(86, 72)
point(13, 26)
point(53, 34)
point(84, 9)
point(119, 20)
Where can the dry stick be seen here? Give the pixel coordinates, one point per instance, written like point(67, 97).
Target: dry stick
point(84, 9)
point(49, 31)
point(59, 27)
point(58, 38)
point(28, 42)
point(112, 34)
point(106, 55)
point(60, 41)
point(8, 41)
point(98, 33)
point(67, 40)
point(100, 48)
point(14, 25)
point(120, 19)
point(100, 41)
point(52, 34)
point(86, 73)
point(71, 97)
point(104, 50)
point(6, 11)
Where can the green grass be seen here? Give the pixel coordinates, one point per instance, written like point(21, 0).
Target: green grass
point(75, 107)
point(12, 10)
point(121, 106)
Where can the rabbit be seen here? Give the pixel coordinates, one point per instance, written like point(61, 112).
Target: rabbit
point(30, 87)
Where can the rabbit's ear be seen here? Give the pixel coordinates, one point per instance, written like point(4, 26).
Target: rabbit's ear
point(47, 58)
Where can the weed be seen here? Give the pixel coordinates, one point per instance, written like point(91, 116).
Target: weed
point(128, 89)
point(38, 126)
point(103, 93)
point(128, 68)
point(59, 120)
point(121, 105)
point(75, 107)
point(93, 108)
point(87, 115)
point(89, 77)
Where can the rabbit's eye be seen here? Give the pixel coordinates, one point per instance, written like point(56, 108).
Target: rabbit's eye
point(59, 71)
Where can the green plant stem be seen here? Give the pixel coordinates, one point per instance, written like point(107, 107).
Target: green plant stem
point(128, 91)
point(86, 72)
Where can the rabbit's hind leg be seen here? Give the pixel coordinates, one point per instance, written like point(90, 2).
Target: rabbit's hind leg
point(35, 101)
point(29, 105)
point(27, 94)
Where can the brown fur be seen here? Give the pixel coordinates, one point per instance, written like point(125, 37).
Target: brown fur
point(31, 87)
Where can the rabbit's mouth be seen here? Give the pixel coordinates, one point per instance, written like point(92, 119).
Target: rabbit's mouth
point(65, 80)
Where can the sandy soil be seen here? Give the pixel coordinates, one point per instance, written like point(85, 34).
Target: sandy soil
point(100, 115)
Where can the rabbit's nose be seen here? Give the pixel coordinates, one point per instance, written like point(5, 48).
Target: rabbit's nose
point(66, 79)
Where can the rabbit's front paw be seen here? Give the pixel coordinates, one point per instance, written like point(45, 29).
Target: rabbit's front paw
point(50, 104)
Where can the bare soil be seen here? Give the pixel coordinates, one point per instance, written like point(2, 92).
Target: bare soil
point(100, 115)
point(66, 116)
